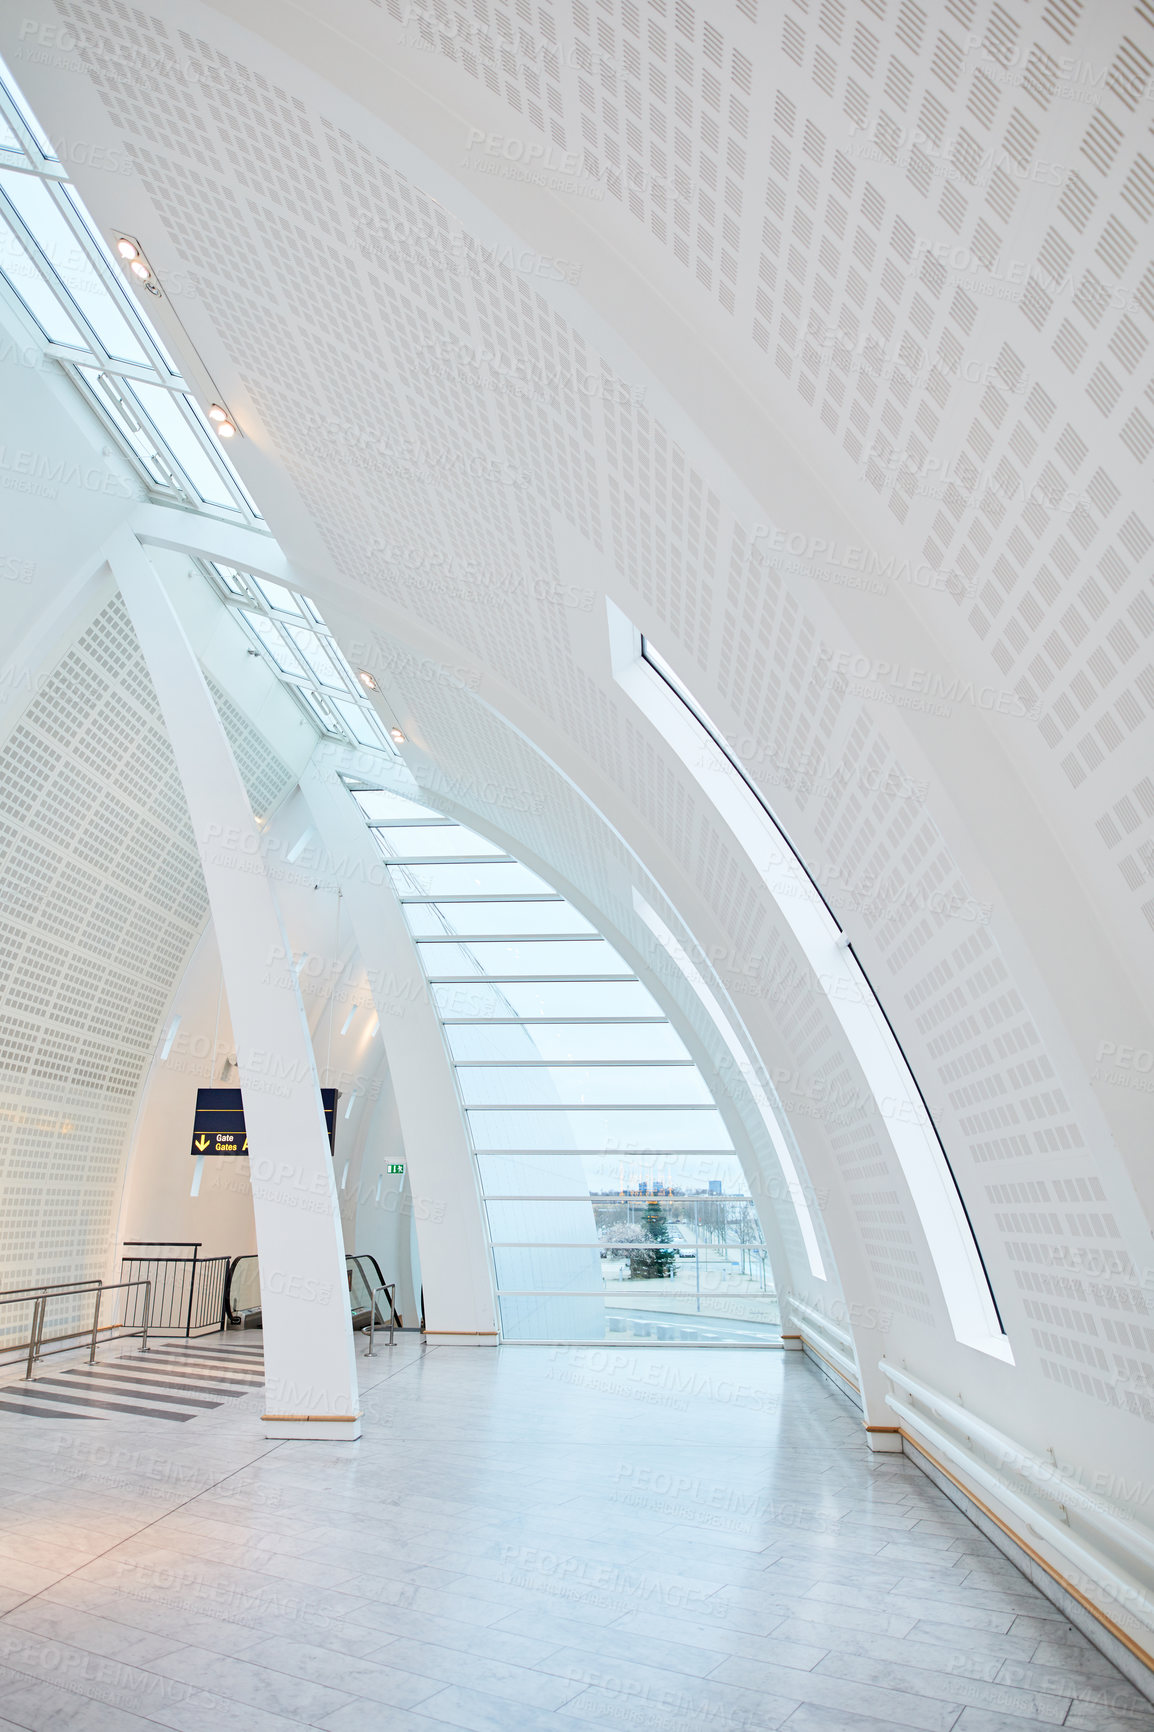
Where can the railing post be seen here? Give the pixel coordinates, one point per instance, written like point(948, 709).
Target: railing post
point(147, 1309)
point(191, 1294)
point(373, 1315)
point(95, 1325)
point(34, 1333)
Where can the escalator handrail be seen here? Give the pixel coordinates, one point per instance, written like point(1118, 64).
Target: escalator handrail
point(351, 1257)
point(379, 1284)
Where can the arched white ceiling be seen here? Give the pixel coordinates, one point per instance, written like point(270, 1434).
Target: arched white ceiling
point(831, 372)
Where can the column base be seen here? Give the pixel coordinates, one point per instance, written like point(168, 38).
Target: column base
point(340, 1428)
point(887, 1438)
point(793, 1343)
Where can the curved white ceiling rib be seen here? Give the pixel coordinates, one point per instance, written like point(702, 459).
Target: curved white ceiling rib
point(932, 1185)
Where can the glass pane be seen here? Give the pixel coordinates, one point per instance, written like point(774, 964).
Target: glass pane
point(692, 1218)
point(646, 1128)
point(552, 1319)
point(420, 840)
point(379, 803)
point(557, 1041)
point(565, 998)
point(234, 581)
point(23, 109)
point(499, 879)
point(168, 418)
point(315, 652)
point(478, 918)
point(25, 276)
point(278, 597)
point(361, 723)
point(583, 1085)
point(273, 640)
point(585, 957)
point(107, 392)
point(62, 248)
point(605, 1176)
point(551, 1267)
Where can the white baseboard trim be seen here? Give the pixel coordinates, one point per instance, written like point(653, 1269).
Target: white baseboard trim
point(1096, 1625)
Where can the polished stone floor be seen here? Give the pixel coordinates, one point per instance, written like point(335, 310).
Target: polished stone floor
point(529, 1540)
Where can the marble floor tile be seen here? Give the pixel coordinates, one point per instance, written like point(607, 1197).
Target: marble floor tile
point(519, 1543)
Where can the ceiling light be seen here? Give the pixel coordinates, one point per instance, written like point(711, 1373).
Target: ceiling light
point(221, 424)
point(130, 255)
point(366, 679)
point(397, 736)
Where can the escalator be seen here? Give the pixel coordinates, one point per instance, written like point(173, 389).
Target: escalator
point(363, 1272)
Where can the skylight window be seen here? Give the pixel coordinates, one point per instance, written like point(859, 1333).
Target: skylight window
point(61, 280)
point(288, 631)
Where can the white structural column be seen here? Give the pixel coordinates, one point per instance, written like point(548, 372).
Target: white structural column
point(310, 1368)
point(460, 1307)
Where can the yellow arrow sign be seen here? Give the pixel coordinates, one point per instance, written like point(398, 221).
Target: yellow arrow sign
point(202, 1142)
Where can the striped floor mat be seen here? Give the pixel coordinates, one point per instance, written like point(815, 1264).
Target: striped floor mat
point(173, 1380)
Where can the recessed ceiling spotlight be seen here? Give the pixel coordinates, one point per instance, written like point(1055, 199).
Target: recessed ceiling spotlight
point(222, 426)
point(130, 255)
point(396, 736)
point(366, 679)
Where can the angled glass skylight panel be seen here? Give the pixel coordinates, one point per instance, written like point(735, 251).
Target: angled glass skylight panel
point(359, 720)
point(277, 645)
point(280, 599)
point(30, 286)
point(170, 414)
point(65, 261)
point(69, 290)
point(290, 631)
point(9, 143)
point(317, 653)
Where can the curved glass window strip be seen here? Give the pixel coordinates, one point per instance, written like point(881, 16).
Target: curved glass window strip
point(71, 296)
point(655, 689)
point(617, 1207)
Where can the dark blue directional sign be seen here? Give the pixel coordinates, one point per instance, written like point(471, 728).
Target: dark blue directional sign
point(218, 1123)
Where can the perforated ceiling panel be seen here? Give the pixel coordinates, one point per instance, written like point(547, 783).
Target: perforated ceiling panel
point(266, 776)
point(103, 898)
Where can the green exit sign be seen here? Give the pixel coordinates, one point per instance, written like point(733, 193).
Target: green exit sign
point(397, 1167)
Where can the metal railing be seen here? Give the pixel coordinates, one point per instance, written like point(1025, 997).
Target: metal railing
point(188, 1291)
point(390, 1288)
point(366, 1282)
point(39, 1299)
